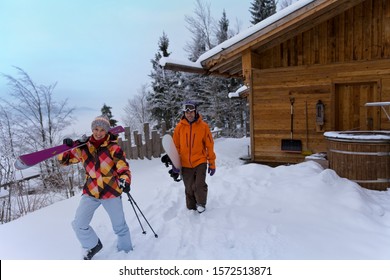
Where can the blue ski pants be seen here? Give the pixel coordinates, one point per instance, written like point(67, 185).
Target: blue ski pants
point(114, 208)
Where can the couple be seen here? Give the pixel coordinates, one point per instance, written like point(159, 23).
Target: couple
point(108, 175)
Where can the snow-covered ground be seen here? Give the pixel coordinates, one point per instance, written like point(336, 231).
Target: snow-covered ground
point(254, 212)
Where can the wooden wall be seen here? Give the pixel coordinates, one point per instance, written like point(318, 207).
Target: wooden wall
point(360, 33)
point(344, 62)
point(270, 104)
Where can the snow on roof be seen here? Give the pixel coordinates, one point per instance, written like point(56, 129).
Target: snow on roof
point(239, 37)
point(237, 92)
point(233, 94)
point(188, 63)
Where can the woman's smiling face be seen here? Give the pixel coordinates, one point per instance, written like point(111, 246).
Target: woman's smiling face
point(99, 133)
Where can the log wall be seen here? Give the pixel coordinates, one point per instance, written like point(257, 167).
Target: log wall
point(343, 62)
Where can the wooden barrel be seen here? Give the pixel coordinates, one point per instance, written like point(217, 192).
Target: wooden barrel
point(361, 156)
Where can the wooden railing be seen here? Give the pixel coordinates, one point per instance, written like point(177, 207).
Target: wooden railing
point(140, 146)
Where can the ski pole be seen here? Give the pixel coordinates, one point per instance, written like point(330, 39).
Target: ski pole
point(131, 199)
point(132, 205)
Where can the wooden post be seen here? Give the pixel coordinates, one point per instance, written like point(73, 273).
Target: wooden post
point(156, 144)
point(134, 152)
point(148, 143)
point(128, 150)
point(163, 128)
point(163, 132)
point(134, 149)
point(140, 148)
point(71, 190)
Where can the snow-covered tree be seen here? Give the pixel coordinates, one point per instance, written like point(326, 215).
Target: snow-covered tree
point(201, 27)
point(166, 93)
point(30, 120)
point(210, 92)
point(261, 9)
point(223, 29)
point(106, 110)
point(286, 3)
point(7, 149)
point(38, 118)
point(137, 110)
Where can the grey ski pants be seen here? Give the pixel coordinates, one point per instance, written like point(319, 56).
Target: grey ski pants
point(84, 213)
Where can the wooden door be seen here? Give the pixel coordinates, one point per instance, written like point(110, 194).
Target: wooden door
point(350, 112)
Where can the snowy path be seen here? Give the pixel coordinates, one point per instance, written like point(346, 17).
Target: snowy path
point(253, 212)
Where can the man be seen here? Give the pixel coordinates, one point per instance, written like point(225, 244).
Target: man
point(107, 176)
point(195, 145)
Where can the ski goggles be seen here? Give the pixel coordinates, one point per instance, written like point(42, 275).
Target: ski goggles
point(189, 108)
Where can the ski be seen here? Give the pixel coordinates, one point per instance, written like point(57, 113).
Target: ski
point(31, 159)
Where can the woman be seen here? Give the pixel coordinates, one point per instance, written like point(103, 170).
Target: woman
point(107, 175)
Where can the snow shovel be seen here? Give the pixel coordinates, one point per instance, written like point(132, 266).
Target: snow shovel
point(292, 145)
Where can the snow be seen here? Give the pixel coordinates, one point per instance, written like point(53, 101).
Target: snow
point(254, 212)
point(368, 135)
point(255, 28)
point(237, 92)
point(3, 192)
point(377, 104)
point(164, 60)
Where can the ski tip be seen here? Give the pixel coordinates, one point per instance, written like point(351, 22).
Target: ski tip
point(116, 130)
point(20, 165)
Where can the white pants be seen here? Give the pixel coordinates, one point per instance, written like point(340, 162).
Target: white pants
point(114, 209)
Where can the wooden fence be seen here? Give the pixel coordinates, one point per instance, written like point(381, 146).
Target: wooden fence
point(140, 146)
point(149, 144)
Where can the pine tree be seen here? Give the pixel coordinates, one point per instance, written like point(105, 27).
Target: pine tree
point(220, 89)
point(166, 96)
point(106, 110)
point(210, 92)
point(223, 28)
point(261, 9)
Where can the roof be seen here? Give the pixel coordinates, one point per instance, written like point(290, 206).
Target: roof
point(226, 58)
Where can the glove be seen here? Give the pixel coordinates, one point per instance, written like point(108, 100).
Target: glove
point(68, 142)
point(174, 175)
point(124, 185)
point(175, 170)
point(83, 139)
point(211, 171)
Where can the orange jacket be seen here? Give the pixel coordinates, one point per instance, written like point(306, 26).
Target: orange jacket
point(194, 143)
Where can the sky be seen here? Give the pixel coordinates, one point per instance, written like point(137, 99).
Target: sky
point(255, 215)
point(98, 52)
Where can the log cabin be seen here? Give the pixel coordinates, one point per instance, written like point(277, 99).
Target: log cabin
point(309, 69)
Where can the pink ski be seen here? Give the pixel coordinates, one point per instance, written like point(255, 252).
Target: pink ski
point(31, 159)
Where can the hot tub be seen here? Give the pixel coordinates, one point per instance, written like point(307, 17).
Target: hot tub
point(361, 156)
